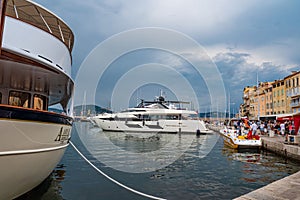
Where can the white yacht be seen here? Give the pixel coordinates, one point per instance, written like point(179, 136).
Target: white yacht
point(158, 116)
point(35, 75)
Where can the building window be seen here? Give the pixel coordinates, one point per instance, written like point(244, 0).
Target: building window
point(20, 99)
point(293, 84)
point(39, 102)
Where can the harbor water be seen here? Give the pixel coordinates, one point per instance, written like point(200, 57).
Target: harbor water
point(222, 173)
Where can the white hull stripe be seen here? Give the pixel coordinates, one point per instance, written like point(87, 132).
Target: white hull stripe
point(30, 151)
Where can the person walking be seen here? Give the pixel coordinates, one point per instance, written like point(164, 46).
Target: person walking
point(282, 128)
point(253, 128)
point(261, 127)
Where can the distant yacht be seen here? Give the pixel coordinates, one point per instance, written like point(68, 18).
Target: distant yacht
point(35, 74)
point(158, 116)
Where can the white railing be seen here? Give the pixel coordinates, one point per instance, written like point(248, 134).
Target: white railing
point(293, 92)
point(294, 104)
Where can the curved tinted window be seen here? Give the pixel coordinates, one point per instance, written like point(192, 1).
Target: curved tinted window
point(39, 102)
point(20, 99)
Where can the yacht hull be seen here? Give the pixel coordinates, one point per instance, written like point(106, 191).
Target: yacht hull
point(231, 139)
point(29, 151)
point(160, 126)
point(35, 77)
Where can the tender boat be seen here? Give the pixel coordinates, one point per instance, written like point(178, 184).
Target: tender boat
point(158, 116)
point(240, 139)
point(35, 77)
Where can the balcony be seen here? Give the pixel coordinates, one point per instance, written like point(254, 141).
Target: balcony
point(295, 104)
point(293, 92)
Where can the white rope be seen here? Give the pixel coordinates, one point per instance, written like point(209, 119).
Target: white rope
point(113, 180)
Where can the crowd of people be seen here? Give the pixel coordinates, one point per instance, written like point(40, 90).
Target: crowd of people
point(283, 128)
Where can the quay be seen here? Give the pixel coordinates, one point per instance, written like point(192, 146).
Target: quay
point(286, 188)
point(278, 145)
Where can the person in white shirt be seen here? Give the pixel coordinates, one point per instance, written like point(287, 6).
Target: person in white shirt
point(282, 128)
point(253, 128)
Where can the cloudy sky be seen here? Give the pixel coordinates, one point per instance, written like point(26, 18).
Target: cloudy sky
point(243, 38)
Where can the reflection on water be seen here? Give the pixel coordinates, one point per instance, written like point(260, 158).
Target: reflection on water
point(259, 166)
point(49, 189)
point(223, 174)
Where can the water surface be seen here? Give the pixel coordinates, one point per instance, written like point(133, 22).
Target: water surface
point(222, 174)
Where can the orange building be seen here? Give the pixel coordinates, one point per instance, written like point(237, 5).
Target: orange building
point(265, 99)
point(247, 109)
point(279, 97)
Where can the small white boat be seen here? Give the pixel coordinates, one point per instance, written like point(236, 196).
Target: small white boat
point(158, 116)
point(236, 140)
point(35, 76)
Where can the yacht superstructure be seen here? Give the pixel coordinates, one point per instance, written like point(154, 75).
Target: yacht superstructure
point(35, 75)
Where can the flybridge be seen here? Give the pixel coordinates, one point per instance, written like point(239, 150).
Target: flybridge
point(162, 103)
point(42, 18)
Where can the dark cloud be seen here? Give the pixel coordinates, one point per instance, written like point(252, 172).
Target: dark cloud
point(238, 72)
point(267, 31)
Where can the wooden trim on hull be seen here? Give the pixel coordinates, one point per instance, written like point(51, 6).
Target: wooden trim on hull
point(231, 144)
point(18, 113)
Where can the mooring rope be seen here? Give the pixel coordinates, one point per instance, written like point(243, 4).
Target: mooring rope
point(113, 180)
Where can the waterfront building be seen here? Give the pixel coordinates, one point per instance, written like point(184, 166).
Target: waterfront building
point(264, 99)
point(248, 98)
point(254, 104)
point(279, 97)
point(292, 87)
point(272, 98)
